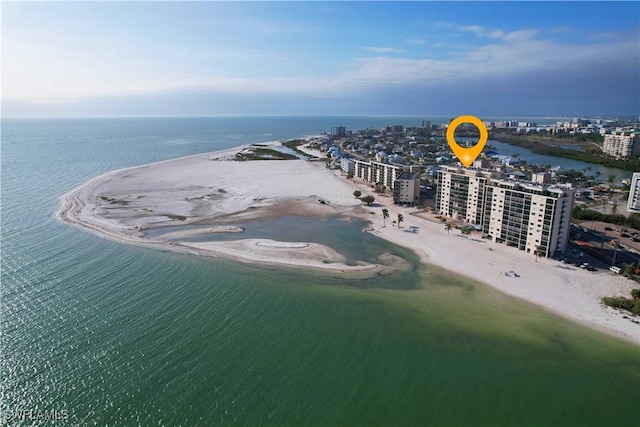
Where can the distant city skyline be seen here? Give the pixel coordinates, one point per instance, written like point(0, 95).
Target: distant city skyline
point(324, 58)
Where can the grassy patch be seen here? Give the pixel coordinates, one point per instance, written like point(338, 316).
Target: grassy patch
point(259, 153)
point(177, 217)
point(294, 144)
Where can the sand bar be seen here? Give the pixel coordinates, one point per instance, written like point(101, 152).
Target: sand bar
point(211, 189)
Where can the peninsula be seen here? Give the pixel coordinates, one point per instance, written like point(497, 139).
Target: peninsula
point(216, 192)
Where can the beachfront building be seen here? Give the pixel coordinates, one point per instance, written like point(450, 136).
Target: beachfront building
point(460, 193)
point(347, 166)
point(621, 144)
point(528, 216)
point(406, 188)
point(633, 204)
point(521, 214)
point(375, 172)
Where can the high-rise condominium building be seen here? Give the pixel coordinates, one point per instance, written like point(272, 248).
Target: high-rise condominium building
point(531, 217)
point(621, 144)
point(633, 204)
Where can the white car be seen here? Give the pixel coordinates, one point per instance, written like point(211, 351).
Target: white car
point(615, 269)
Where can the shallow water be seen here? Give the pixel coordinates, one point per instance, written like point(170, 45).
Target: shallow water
point(121, 335)
point(340, 232)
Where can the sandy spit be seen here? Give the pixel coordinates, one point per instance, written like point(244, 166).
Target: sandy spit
point(210, 189)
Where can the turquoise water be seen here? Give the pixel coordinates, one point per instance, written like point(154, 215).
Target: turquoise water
point(121, 335)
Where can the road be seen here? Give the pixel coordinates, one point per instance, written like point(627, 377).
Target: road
point(601, 241)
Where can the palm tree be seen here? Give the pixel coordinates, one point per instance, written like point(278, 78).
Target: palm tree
point(400, 219)
point(465, 231)
point(614, 208)
point(385, 215)
point(539, 251)
point(448, 227)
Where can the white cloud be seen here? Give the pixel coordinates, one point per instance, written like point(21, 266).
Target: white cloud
point(417, 40)
point(482, 31)
point(383, 49)
point(55, 77)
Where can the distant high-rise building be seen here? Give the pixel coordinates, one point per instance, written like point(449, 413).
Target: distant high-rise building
point(520, 214)
point(633, 205)
point(426, 124)
point(621, 144)
point(338, 131)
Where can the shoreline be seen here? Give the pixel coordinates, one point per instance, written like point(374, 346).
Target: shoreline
point(94, 206)
point(122, 204)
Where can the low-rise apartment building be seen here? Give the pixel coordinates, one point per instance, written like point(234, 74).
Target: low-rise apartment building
point(375, 172)
point(406, 188)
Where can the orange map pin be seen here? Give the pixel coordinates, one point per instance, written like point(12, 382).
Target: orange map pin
point(467, 155)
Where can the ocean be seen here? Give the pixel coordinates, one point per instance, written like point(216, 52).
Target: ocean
point(97, 332)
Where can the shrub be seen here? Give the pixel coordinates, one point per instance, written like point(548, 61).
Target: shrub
point(177, 217)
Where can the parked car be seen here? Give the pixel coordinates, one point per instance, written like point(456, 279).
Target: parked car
point(608, 228)
point(615, 269)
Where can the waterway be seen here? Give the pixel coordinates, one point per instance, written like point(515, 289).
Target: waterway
point(588, 169)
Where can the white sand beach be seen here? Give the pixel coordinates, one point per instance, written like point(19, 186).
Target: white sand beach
point(209, 189)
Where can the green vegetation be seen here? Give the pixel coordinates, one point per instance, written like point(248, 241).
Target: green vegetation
point(368, 200)
point(590, 154)
point(260, 153)
point(539, 251)
point(465, 231)
point(448, 226)
point(400, 219)
point(385, 215)
point(629, 304)
point(584, 214)
point(114, 201)
point(357, 194)
point(177, 217)
point(294, 144)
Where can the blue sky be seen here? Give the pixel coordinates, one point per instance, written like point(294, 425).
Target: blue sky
point(219, 58)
